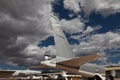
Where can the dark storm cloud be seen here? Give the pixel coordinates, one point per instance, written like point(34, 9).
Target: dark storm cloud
point(20, 8)
point(22, 23)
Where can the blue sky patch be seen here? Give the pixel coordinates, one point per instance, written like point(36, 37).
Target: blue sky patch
point(110, 23)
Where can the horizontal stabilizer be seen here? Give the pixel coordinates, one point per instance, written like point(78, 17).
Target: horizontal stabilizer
point(77, 62)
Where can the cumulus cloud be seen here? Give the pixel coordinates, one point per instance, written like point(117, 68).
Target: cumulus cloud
point(72, 4)
point(98, 43)
point(90, 29)
point(23, 23)
point(72, 26)
point(114, 43)
point(36, 54)
point(104, 7)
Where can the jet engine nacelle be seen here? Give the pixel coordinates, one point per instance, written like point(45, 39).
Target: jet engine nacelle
point(99, 77)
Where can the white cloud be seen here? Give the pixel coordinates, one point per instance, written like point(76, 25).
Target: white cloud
point(88, 30)
point(36, 54)
point(114, 43)
point(72, 4)
point(105, 7)
point(98, 43)
point(91, 29)
point(72, 26)
point(86, 33)
point(34, 50)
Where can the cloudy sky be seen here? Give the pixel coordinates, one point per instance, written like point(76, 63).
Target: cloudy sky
point(90, 26)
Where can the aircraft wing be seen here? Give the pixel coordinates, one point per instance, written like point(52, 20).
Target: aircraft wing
point(73, 63)
point(76, 62)
point(6, 74)
point(40, 66)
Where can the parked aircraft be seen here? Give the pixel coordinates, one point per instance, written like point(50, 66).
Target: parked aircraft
point(17, 73)
point(25, 72)
point(67, 61)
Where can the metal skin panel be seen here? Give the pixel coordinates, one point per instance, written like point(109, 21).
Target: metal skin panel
point(6, 74)
point(78, 61)
point(62, 46)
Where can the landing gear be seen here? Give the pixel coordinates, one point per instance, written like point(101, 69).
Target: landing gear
point(60, 77)
point(95, 78)
point(90, 78)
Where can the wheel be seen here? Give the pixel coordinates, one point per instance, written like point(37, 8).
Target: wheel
point(92, 78)
point(97, 78)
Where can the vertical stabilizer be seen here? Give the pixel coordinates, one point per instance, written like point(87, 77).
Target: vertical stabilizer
point(63, 48)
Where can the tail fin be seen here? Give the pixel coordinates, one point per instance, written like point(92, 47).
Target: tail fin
point(63, 48)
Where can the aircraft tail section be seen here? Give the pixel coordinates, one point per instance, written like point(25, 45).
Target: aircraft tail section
point(65, 59)
point(63, 48)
